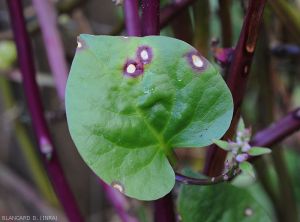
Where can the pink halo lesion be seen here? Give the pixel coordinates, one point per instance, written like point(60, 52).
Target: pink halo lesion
point(133, 68)
point(196, 61)
point(144, 54)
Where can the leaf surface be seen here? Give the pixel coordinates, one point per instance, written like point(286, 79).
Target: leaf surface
point(221, 203)
point(257, 151)
point(222, 144)
point(131, 101)
point(247, 168)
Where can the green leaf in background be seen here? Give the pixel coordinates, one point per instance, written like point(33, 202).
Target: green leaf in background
point(8, 54)
point(247, 168)
point(292, 159)
point(257, 151)
point(221, 203)
point(222, 144)
point(130, 101)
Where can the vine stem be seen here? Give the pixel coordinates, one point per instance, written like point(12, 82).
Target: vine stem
point(172, 10)
point(267, 137)
point(208, 181)
point(278, 131)
point(150, 17)
point(167, 14)
point(132, 20)
point(237, 78)
point(119, 202)
point(47, 18)
point(163, 207)
point(45, 143)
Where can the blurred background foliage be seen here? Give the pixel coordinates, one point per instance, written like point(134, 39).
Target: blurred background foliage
point(209, 25)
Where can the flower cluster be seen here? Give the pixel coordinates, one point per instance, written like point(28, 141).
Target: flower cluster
point(240, 150)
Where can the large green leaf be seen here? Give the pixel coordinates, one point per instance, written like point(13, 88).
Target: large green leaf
point(130, 101)
point(223, 203)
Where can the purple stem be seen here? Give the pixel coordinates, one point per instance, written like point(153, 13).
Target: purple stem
point(167, 14)
point(150, 17)
point(172, 10)
point(207, 181)
point(244, 51)
point(286, 50)
point(238, 76)
point(47, 18)
point(45, 143)
point(266, 137)
point(164, 209)
point(132, 19)
point(278, 131)
point(119, 202)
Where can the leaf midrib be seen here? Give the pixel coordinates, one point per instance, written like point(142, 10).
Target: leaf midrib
point(162, 145)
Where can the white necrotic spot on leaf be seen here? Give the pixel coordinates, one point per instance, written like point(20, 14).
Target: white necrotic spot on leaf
point(118, 186)
point(131, 68)
point(248, 212)
point(179, 217)
point(144, 54)
point(79, 44)
point(197, 61)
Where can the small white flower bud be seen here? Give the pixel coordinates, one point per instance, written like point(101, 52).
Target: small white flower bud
point(227, 165)
point(239, 142)
point(239, 134)
point(225, 177)
point(246, 147)
point(241, 157)
point(234, 151)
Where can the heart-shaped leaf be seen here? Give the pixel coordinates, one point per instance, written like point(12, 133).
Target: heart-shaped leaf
point(130, 101)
